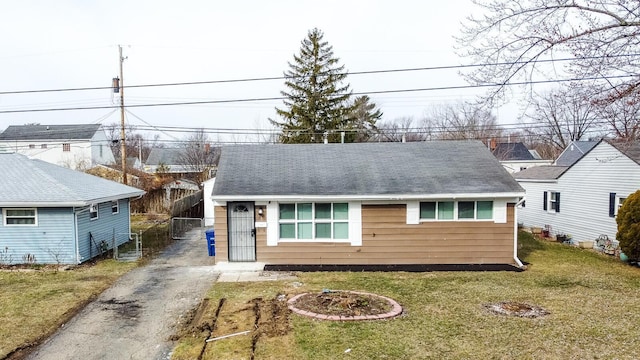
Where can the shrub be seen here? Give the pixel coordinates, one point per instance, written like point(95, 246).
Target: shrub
point(628, 220)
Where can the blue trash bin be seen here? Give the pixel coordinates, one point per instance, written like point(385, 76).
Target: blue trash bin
point(211, 241)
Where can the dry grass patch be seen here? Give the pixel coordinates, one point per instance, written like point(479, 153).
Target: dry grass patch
point(591, 300)
point(33, 304)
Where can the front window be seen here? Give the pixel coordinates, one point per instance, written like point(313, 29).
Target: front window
point(93, 212)
point(456, 210)
point(308, 221)
point(20, 217)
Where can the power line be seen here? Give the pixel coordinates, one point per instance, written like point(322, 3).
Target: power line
point(441, 88)
point(271, 78)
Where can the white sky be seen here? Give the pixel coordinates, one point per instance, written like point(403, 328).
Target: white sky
point(73, 43)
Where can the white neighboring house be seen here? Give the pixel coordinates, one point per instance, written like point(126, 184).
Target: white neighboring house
point(209, 214)
point(582, 199)
point(73, 146)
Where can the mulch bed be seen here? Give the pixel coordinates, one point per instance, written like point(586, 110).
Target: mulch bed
point(343, 303)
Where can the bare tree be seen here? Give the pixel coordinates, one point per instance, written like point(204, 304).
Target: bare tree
point(462, 120)
point(199, 155)
point(623, 118)
point(136, 143)
point(511, 39)
point(402, 129)
point(561, 116)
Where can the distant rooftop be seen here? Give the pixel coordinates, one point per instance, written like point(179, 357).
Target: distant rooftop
point(574, 152)
point(512, 151)
point(49, 132)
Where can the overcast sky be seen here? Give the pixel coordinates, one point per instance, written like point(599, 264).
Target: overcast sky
point(73, 44)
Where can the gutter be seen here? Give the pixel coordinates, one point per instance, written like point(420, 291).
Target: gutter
point(515, 233)
point(77, 241)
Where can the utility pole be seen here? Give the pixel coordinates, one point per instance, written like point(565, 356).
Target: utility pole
point(123, 146)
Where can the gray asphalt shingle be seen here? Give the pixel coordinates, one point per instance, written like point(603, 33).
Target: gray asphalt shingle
point(49, 132)
point(35, 182)
point(434, 167)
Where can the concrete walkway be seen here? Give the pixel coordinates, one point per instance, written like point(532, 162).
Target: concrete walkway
point(135, 318)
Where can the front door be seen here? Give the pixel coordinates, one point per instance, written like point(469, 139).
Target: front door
point(242, 233)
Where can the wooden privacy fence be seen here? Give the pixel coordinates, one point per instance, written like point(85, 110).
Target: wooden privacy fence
point(191, 206)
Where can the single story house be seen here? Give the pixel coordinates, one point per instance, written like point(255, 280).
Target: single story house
point(365, 205)
point(52, 214)
point(77, 146)
point(582, 200)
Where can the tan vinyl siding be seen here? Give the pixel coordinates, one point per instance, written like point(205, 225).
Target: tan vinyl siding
point(387, 239)
point(220, 227)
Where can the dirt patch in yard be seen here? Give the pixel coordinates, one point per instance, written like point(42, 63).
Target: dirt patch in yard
point(512, 308)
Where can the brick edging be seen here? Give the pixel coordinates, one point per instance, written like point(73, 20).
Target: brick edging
point(396, 309)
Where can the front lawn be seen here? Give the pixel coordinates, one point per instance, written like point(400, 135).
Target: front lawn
point(592, 300)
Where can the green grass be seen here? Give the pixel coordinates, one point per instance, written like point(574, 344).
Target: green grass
point(592, 300)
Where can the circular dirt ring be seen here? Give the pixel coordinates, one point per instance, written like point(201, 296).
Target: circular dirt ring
point(396, 309)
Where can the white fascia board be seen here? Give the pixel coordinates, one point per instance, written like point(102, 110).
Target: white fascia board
point(115, 197)
point(393, 197)
point(25, 204)
point(537, 180)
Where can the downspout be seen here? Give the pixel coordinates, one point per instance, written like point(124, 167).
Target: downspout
point(515, 233)
point(77, 243)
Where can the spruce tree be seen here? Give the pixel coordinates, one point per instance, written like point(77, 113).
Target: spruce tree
point(316, 100)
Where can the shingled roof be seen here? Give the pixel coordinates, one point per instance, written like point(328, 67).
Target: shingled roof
point(512, 151)
point(550, 172)
point(418, 168)
point(50, 132)
point(27, 182)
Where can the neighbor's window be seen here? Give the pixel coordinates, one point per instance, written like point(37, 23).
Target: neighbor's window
point(66, 147)
point(32, 146)
point(43, 146)
point(93, 211)
point(18, 217)
point(465, 210)
point(308, 221)
point(115, 208)
point(619, 201)
point(551, 201)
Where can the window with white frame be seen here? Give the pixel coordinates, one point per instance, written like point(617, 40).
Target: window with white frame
point(313, 221)
point(456, 210)
point(115, 208)
point(20, 217)
point(93, 211)
point(551, 201)
point(66, 147)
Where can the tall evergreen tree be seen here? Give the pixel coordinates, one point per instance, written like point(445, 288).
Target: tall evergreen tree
point(317, 100)
point(364, 116)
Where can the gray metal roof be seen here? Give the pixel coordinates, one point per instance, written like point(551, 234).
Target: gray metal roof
point(27, 182)
point(550, 172)
point(574, 152)
point(49, 132)
point(417, 168)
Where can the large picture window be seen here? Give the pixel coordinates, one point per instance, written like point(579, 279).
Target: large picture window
point(309, 221)
point(20, 217)
point(456, 210)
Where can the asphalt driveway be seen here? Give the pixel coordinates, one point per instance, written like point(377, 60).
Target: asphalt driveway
point(135, 318)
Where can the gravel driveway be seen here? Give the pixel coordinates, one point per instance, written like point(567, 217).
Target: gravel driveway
point(135, 318)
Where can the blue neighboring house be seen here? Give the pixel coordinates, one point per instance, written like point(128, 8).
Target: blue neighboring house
point(55, 215)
